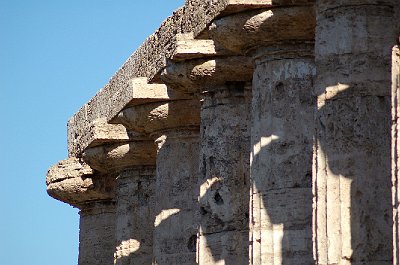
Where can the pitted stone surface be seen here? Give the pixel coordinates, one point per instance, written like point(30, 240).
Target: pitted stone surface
point(153, 117)
point(194, 76)
point(114, 157)
point(150, 57)
point(135, 216)
point(281, 159)
point(352, 150)
point(175, 227)
point(224, 176)
point(97, 233)
point(75, 183)
point(246, 31)
point(98, 132)
point(396, 153)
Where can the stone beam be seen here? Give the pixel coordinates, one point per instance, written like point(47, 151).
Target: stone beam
point(151, 57)
point(186, 47)
point(95, 133)
point(85, 131)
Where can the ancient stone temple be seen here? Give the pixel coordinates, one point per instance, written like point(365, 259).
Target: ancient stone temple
point(245, 132)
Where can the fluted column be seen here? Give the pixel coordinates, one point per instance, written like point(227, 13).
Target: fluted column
point(354, 41)
point(97, 233)
point(281, 158)
point(396, 153)
point(175, 127)
point(224, 176)
point(133, 163)
point(75, 183)
point(280, 40)
point(135, 216)
point(224, 88)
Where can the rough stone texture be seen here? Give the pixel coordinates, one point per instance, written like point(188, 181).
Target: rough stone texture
point(75, 183)
point(224, 176)
point(153, 117)
point(97, 233)
point(196, 204)
point(194, 76)
point(352, 154)
point(395, 152)
point(97, 133)
point(281, 158)
point(150, 58)
point(175, 228)
point(186, 48)
point(114, 157)
point(246, 31)
point(135, 216)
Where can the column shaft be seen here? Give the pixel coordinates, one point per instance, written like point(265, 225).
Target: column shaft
point(135, 216)
point(353, 214)
point(224, 176)
point(281, 159)
point(175, 231)
point(396, 153)
point(97, 230)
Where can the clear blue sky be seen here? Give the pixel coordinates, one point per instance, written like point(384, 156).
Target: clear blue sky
point(54, 56)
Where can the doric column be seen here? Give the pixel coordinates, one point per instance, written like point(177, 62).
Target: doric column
point(74, 182)
point(354, 41)
point(175, 127)
point(280, 40)
point(224, 151)
point(133, 164)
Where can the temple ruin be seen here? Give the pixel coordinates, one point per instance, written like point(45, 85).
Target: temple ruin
point(244, 132)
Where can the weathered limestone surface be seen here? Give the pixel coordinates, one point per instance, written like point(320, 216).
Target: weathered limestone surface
point(177, 161)
point(352, 166)
point(280, 41)
point(174, 126)
point(133, 164)
point(97, 233)
point(395, 152)
point(74, 182)
point(135, 216)
point(224, 175)
point(175, 227)
point(281, 161)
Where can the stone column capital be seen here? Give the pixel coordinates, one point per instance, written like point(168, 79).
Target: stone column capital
point(156, 117)
point(119, 156)
point(247, 31)
point(194, 76)
point(76, 183)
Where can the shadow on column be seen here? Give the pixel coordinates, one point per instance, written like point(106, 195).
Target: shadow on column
point(281, 166)
point(354, 134)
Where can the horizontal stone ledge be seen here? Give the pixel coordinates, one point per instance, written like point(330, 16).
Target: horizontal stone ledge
point(187, 48)
point(150, 58)
point(87, 130)
point(96, 133)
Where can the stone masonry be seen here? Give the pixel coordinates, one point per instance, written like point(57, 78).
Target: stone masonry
point(244, 132)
